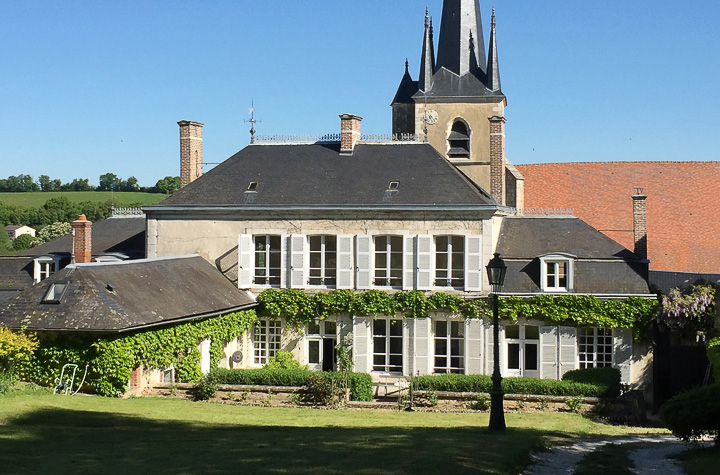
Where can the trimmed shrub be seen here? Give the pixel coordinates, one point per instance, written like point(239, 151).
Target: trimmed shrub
point(283, 360)
point(482, 384)
point(713, 354)
point(606, 377)
point(694, 413)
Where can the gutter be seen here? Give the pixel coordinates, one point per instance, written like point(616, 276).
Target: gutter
point(285, 208)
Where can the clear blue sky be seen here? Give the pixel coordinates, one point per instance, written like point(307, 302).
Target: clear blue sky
point(89, 87)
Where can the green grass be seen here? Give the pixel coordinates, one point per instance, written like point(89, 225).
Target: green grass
point(37, 199)
point(44, 433)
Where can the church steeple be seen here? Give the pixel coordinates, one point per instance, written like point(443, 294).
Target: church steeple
point(461, 48)
point(493, 69)
point(427, 61)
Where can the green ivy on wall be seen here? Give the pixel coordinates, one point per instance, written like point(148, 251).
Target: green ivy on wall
point(298, 308)
point(112, 359)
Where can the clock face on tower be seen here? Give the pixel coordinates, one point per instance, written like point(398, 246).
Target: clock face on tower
point(431, 116)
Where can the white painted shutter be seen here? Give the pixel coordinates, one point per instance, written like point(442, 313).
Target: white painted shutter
point(423, 251)
point(246, 261)
point(297, 261)
point(473, 263)
point(284, 261)
point(424, 349)
point(362, 344)
point(473, 346)
point(489, 352)
point(363, 261)
point(622, 353)
point(205, 356)
point(408, 263)
point(548, 352)
point(408, 325)
point(568, 350)
point(345, 269)
point(344, 326)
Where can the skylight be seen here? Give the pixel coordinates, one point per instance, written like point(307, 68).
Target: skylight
point(55, 293)
point(393, 186)
point(252, 186)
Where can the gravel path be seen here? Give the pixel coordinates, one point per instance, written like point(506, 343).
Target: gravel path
point(648, 460)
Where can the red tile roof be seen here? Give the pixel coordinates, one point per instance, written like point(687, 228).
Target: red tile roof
point(683, 205)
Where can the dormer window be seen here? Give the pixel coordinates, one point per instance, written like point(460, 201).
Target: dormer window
point(556, 273)
point(252, 186)
point(393, 186)
point(459, 140)
point(54, 293)
point(44, 267)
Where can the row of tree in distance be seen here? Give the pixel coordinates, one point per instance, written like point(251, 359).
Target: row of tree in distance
point(108, 182)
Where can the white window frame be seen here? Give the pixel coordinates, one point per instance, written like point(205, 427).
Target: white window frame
point(323, 261)
point(448, 339)
point(40, 271)
point(556, 259)
point(389, 323)
point(267, 338)
point(388, 251)
point(319, 337)
point(589, 357)
point(268, 251)
point(522, 341)
point(450, 282)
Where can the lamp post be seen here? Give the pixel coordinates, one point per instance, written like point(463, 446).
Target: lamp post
point(496, 269)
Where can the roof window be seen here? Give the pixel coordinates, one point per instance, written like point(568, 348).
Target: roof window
point(252, 186)
point(55, 293)
point(393, 186)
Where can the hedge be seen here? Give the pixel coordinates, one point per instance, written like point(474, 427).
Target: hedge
point(694, 413)
point(360, 383)
point(481, 383)
point(609, 378)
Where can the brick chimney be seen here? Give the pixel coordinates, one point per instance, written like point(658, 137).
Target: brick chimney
point(191, 151)
point(82, 240)
point(497, 159)
point(640, 223)
point(349, 133)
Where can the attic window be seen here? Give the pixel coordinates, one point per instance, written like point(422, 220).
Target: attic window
point(393, 186)
point(252, 186)
point(55, 293)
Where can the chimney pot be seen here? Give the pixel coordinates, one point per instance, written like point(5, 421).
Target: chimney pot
point(349, 133)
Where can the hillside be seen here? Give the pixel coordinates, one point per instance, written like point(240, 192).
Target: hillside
point(37, 199)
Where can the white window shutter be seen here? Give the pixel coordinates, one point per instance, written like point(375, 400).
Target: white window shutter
point(424, 348)
point(408, 325)
point(567, 340)
point(473, 263)
point(489, 351)
point(473, 346)
point(622, 353)
point(363, 261)
point(424, 259)
point(408, 263)
point(362, 349)
point(345, 270)
point(284, 261)
point(246, 261)
point(297, 261)
point(548, 352)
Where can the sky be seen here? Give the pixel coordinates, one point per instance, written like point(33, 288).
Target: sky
point(91, 87)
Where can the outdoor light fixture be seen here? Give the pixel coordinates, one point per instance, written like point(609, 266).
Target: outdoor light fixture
point(496, 270)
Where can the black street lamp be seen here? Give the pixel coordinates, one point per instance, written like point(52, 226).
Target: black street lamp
point(496, 269)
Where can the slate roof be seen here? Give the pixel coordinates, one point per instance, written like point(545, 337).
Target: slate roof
point(130, 295)
point(113, 235)
point(16, 273)
point(317, 175)
point(602, 266)
point(683, 213)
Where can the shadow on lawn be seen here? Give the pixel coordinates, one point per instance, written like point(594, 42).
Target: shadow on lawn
point(65, 441)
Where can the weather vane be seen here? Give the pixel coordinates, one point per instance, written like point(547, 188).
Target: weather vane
point(252, 121)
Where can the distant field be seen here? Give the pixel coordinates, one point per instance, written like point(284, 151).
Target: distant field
point(37, 199)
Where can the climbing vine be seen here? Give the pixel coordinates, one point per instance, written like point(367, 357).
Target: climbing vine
point(112, 359)
point(694, 309)
point(298, 308)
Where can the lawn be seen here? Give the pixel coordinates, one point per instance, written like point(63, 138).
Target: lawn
point(42, 433)
point(37, 199)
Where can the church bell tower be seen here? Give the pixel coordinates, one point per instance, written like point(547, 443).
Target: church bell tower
point(457, 104)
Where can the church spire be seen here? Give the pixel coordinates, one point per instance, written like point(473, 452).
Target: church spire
point(493, 70)
point(461, 48)
point(427, 62)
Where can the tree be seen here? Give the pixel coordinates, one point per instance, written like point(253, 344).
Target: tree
point(52, 231)
point(22, 242)
point(109, 181)
point(78, 184)
point(131, 184)
point(5, 241)
point(44, 181)
point(168, 185)
point(58, 209)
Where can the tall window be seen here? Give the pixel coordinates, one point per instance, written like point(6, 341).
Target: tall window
point(267, 260)
point(449, 261)
point(459, 141)
point(388, 261)
point(322, 340)
point(267, 340)
point(522, 350)
point(387, 345)
point(449, 338)
point(595, 347)
point(556, 275)
point(47, 268)
point(323, 260)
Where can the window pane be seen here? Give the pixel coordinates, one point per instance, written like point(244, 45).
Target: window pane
point(379, 327)
point(532, 332)
point(314, 352)
point(313, 328)
point(396, 261)
point(315, 260)
point(440, 347)
point(396, 345)
point(380, 262)
point(458, 329)
point(330, 243)
point(441, 243)
point(315, 242)
point(531, 357)
point(396, 243)
point(440, 328)
point(395, 362)
point(274, 242)
point(379, 345)
point(458, 244)
point(396, 328)
point(512, 331)
point(456, 347)
point(513, 356)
